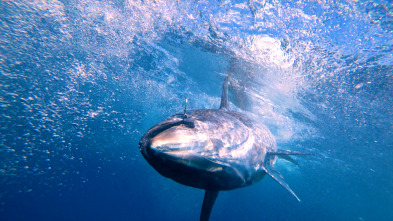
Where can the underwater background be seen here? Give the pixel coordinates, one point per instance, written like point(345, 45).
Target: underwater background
point(83, 80)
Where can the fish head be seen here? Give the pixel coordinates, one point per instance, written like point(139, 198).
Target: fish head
point(178, 148)
point(181, 138)
point(174, 135)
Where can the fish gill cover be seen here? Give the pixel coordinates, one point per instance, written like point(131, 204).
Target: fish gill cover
point(81, 81)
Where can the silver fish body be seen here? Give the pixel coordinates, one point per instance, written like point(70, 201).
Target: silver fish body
point(214, 150)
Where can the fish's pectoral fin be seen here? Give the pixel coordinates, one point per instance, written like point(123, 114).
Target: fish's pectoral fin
point(287, 152)
point(269, 169)
point(289, 159)
point(279, 178)
point(208, 202)
point(286, 155)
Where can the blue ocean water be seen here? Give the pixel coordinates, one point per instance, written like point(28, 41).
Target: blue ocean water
point(81, 81)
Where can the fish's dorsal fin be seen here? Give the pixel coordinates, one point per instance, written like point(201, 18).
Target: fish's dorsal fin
point(208, 202)
point(224, 96)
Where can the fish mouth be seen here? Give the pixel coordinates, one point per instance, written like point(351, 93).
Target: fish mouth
point(192, 169)
point(183, 158)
